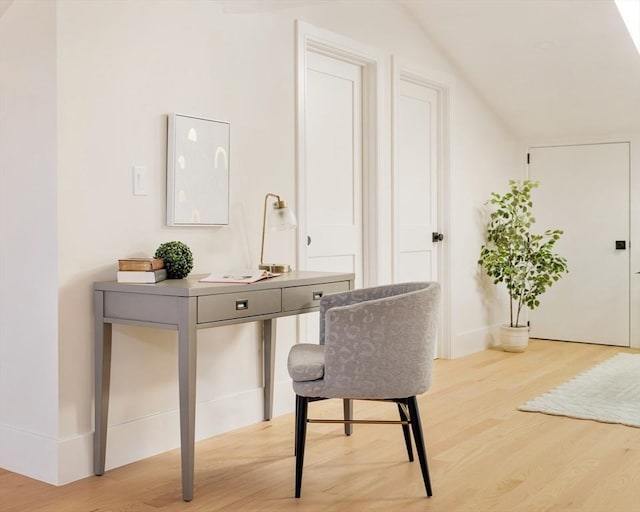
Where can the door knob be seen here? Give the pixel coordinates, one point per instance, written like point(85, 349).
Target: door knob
point(437, 237)
point(621, 245)
point(308, 240)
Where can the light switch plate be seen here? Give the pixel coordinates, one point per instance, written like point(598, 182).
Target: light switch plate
point(140, 181)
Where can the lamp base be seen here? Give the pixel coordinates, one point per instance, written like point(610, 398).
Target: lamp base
point(276, 268)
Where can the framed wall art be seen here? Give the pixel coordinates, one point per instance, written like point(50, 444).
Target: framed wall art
point(197, 171)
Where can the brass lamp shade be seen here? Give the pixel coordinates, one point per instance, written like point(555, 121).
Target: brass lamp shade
point(280, 218)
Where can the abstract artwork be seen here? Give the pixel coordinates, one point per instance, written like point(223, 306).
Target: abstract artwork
point(197, 171)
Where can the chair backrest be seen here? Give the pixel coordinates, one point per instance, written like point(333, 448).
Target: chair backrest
point(380, 341)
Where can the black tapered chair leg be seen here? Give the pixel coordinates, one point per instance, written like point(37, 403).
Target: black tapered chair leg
point(295, 428)
point(302, 403)
point(406, 431)
point(347, 408)
point(416, 426)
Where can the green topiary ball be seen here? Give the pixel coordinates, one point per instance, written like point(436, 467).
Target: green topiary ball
point(177, 257)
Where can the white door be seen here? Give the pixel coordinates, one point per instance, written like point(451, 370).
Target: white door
point(416, 185)
point(333, 148)
point(332, 177)
point(584, 190)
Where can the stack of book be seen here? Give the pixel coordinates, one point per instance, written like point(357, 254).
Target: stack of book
point(141, 270)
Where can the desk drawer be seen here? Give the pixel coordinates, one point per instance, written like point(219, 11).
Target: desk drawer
point(141, 307)
point(228, 306)
point(305, 297)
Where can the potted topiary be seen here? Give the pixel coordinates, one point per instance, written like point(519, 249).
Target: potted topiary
point(177, 257)
point(523, 261)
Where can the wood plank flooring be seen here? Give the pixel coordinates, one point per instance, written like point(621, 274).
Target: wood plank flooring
point(484, 455)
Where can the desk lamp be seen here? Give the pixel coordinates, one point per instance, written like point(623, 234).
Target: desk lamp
point(281, 217)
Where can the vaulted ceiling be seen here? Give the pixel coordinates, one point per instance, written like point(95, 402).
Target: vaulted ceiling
point(548, 68)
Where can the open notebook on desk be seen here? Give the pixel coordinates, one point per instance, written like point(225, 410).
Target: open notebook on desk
point(242, 276)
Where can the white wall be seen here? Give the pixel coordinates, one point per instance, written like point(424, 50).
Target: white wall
point(122, 66)
point(28, 241)
point(484, 161)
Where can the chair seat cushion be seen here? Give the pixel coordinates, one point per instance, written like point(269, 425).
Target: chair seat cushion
point(306, 362)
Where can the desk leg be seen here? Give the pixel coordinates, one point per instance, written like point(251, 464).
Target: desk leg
point(187, 386)
point(102, 376)
point(269, 362)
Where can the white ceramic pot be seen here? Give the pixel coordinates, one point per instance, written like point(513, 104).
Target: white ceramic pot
point(514, 339)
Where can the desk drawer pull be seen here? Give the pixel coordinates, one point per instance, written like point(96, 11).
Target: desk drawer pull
point(317, 295)
point(241, 305)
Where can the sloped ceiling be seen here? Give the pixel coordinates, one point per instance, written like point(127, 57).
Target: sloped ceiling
point(548, 68)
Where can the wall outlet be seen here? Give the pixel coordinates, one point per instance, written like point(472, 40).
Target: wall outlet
point(140, 181)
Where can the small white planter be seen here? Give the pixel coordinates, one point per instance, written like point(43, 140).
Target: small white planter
point(514, 339)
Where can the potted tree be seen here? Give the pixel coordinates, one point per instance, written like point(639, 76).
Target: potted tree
point(523, 261)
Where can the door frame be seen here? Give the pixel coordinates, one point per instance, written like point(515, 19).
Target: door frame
point(634, 211)
point(443, 85)
point(313, 39)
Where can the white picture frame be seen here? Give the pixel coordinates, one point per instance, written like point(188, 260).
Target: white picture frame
point(198, 152)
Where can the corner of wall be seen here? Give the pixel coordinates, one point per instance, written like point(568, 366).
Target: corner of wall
point(28, 220)
point(473, 341)
point(29, 454)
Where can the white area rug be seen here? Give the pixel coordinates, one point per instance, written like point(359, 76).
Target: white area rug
point(608, 392)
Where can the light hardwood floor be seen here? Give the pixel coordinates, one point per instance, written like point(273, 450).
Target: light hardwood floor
point(484, 455)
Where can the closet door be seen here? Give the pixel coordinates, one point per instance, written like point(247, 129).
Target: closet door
point(333, 179)
point(416, 183)
point(333, 129)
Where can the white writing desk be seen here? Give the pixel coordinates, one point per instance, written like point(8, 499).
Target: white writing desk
point(186, 305)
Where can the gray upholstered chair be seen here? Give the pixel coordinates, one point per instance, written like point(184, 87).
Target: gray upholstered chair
point(375, 344)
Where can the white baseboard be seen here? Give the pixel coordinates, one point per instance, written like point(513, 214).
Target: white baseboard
point(473, 341)
point(29, 454)
point(75, 458)
point(144, 437)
